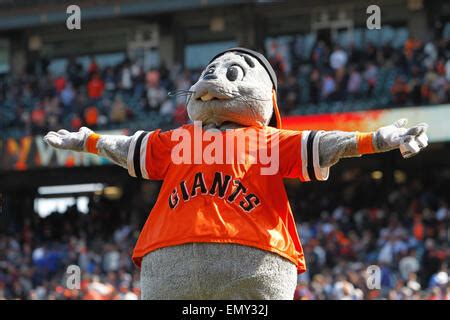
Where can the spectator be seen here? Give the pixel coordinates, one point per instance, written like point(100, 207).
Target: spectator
point(319, 54)
point(110, 80)
point(118, 111)
point(95, 87)
point(38, 120)
point(431, 55)
point(399, 91)
point(93, 67)
point(75, 123)
point(68, 97)
point(74, 72)
point(328, 88)
point(415, 85)
point(447, 69)
point(167, 108)
point(354, 83)
point(156, 94)
point(138, 79)
point(60, 83)
point(289, 94)
point(111, 259)
point(438, 89)
point(409, 265)
point(338, 58)
point(371, 76)
point(91, 116)
point(180, 115)
point(126, 81)
point(278, 64)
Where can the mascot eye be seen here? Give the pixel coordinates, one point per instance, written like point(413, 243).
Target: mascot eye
point(210, 70)
point(235, 72)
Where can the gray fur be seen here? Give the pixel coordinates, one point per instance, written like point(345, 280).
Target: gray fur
point(114, 148)
point(204, 271)
point(334, 145)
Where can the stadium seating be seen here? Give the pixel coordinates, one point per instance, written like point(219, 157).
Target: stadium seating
point(15, 124)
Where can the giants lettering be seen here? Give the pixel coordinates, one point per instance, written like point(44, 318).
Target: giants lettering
point(220, 187)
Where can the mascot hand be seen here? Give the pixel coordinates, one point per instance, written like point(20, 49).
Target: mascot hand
point(66, 140)
point(409, 140)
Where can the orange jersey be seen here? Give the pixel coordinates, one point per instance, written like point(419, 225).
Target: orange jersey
point(228, 201)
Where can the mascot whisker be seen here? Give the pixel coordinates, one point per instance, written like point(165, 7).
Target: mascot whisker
point(226, 231)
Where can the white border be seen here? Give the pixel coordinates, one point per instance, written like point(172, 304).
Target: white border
point(130, 165)
point(322, 174)
point(143, 155)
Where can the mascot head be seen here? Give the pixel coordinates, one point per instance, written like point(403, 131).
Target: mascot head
point(237, 86)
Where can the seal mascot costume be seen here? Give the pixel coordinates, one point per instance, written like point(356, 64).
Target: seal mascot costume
point(224, 229)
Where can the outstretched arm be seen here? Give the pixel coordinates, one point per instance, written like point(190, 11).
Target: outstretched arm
point(334, 145)
point(113, 147)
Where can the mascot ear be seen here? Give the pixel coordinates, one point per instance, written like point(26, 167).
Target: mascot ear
point(275, 121)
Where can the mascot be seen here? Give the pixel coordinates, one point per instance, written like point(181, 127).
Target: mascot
point(222, 228)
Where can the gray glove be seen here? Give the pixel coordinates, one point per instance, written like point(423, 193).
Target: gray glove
point(66, 140)
point(396, 136)
point(113, 147)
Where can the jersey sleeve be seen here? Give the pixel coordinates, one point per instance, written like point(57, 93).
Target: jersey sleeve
point(299, 155)
point(149, 155)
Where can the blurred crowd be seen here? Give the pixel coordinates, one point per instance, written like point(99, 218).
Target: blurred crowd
point(416, 74)
point(400, 229)
point(99, 98)
point(389, 243)
point(35, 256)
